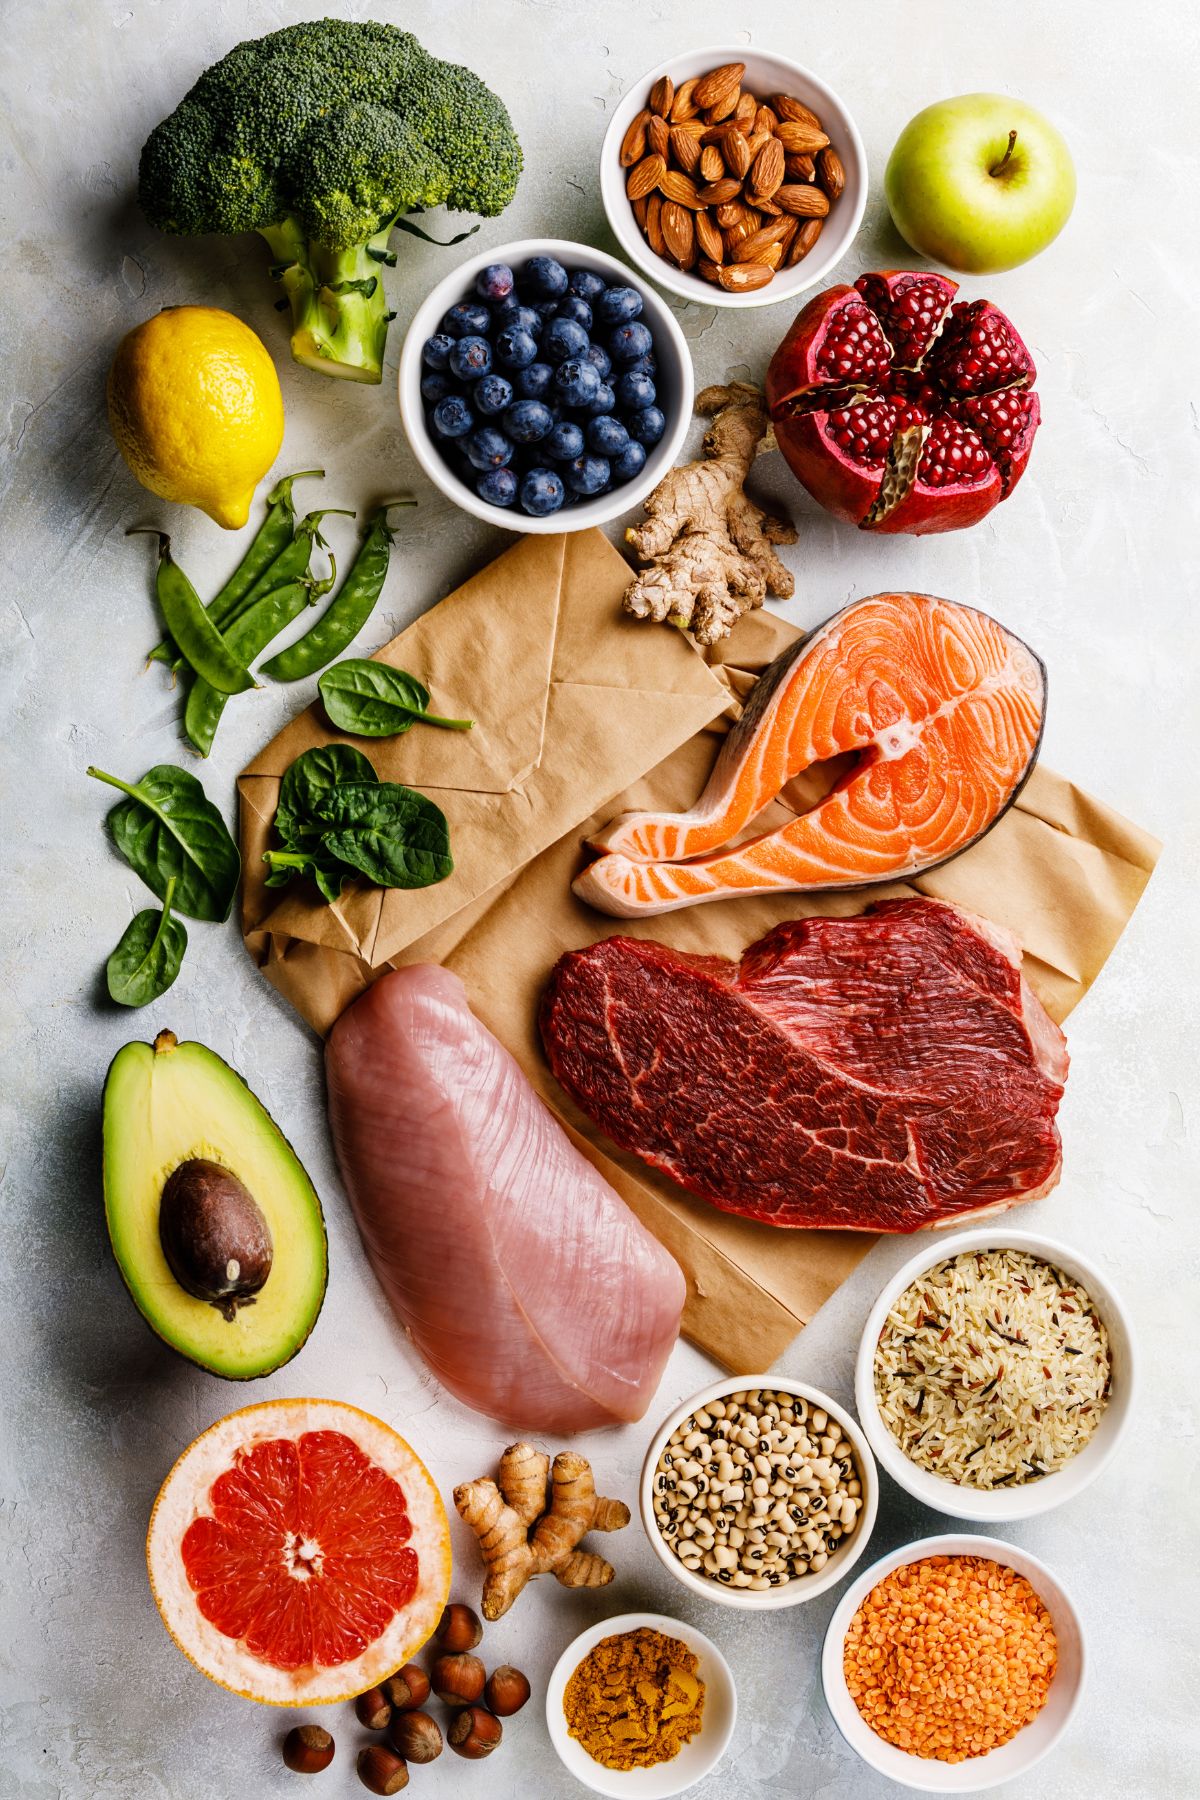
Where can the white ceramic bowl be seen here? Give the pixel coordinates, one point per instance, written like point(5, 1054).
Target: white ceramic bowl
point(806, 1587)
point(997, 1505)
point(698, 1758)
point(1008, 1760)
point(765, 74)
point(673, 381)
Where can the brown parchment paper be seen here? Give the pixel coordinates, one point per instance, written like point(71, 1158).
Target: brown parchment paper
point(583, 713)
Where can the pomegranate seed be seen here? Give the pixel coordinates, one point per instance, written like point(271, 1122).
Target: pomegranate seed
point(953, 455)
point(865, 432)
point(1000, 418)
point(910, 308)
point(979, 351)
point(854, 347)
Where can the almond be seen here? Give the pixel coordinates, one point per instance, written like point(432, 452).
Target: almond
point(831, 173)
point(711, 271)
point(752, 248)
point(644, 177)
point(766, 206)
point(772, 256)
point(684, 149)
point(718, 85)
point(655, 236)
point(658, 136)
point(662, 96)
point(765, 120)
point(724, 109)
point(684, 106)
point(674, 185)
point(743, 117)
point(736, 152)
point(791, 226)
point(801, 139)
point(755, 142)
point(633, 144)
point(708, 238)
point(712, 163)
point(767, 173)
point(803, 241)
point(806, 202)
point(732, 212)
point(788, 107)
point(743, 278)
point(640, 208)
point(736, 235)
point(800, 168)
point(718, 192)
point(679, 234)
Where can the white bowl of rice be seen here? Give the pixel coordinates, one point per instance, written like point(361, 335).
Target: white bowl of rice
point(996, 1374)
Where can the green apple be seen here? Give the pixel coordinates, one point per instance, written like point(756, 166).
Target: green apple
point(980, 183)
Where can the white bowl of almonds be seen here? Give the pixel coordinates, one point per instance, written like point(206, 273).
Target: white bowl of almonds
point(733, 177)
point(759, 1492)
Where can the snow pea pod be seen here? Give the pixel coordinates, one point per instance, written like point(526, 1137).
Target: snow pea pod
point(272, 537)
point(203, 647)
point(349, 609)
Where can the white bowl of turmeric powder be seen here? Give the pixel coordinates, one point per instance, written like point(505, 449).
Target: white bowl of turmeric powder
point(668, 1694)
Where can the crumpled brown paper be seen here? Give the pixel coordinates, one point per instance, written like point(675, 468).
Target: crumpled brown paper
point(582, 713)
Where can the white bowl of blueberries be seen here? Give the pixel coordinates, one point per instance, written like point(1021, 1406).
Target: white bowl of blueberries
point(543, 389)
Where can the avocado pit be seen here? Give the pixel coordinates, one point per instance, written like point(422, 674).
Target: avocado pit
point(214, 1236)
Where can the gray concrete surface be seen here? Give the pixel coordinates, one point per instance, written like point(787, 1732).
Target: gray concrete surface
point(1093, 561)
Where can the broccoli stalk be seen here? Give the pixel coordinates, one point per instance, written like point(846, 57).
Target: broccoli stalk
point(339, 309)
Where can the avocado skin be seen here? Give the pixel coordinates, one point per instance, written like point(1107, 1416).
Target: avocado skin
point(218, 1115)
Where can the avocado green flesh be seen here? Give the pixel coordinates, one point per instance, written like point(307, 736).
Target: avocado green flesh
point(162, 1107)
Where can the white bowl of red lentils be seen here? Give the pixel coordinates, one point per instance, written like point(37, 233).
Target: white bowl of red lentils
point(954, 1664)
point(759, 1492)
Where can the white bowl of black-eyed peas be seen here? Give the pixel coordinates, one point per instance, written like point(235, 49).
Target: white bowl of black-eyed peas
point(759, 1492)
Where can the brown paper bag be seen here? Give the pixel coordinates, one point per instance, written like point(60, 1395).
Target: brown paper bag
point(581, 714)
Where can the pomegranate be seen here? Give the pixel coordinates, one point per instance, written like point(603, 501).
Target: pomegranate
point(900, 411)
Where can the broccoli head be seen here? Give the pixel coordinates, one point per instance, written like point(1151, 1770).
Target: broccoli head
point(321, 137)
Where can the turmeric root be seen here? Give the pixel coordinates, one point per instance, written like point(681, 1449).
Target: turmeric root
point(521, 1536)
point(709, 549)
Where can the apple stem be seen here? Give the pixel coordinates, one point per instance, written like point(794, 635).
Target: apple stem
point(1000, 166)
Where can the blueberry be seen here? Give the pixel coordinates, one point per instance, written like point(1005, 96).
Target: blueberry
point(466, 319)
point(646, 426)
point(578, 310)
point(606, 435)
point(635, 390)
point(587, 284)
point(533, 383)
point(515, 347)
point(498, 487)
point(435, 353)
point(547, 277)
point(629, 342)
point(631, 461)
point(645, 365)
point(435, 386)
point(596, 353)
point(452, 417)
point(489, 448)
point(494, 283)
point(576, 381)
point(492, 394)
point(542, 492)
point(604, 402)
point(587, 475)
point(564, 338)
point(528, 421)
point(545, 309)
point(565, 442)
point(471, 357)
point(618, 305)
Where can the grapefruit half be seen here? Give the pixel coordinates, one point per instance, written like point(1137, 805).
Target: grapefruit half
point(299, 1552)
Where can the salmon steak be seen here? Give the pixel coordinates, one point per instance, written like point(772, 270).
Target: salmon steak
point(944, 708)
point(877, 1073)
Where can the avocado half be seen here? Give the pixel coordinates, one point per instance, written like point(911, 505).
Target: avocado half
point(167, 1105)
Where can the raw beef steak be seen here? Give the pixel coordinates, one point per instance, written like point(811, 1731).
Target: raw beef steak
point(877, 1073)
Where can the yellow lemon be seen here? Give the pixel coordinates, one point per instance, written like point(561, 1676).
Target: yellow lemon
point(195, 407)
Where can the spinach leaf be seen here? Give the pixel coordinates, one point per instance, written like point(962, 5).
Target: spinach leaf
point(169, 830)
point(307, 785)
point(329, 874)
point(370, 699)
point(390, 834)
point(147, 958)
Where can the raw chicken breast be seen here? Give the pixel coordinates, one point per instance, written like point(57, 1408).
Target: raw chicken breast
point(523, 1279)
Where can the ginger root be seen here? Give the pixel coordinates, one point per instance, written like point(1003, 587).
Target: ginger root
point(521, 1536)
point(708, 548)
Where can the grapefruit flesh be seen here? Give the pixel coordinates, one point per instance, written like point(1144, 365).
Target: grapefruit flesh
point(299, 1552)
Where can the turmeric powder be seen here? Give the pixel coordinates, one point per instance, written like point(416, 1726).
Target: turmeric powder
point(635, 1700)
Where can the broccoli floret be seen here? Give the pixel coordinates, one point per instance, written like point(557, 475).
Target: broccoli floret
point(321, 137)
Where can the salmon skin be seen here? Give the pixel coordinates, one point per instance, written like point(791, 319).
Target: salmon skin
point(945, 709)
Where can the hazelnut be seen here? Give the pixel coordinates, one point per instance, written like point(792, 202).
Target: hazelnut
point(458, 1679)
point(474, 1733)
point(409, 1686)
point(373, 1709)
point(459, 1629)
point(415, 1736)
point(507, 1691)
point(381, 1771)
point(307, 1749)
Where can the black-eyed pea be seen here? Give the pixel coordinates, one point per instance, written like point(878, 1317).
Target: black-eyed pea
point(818, 1560)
